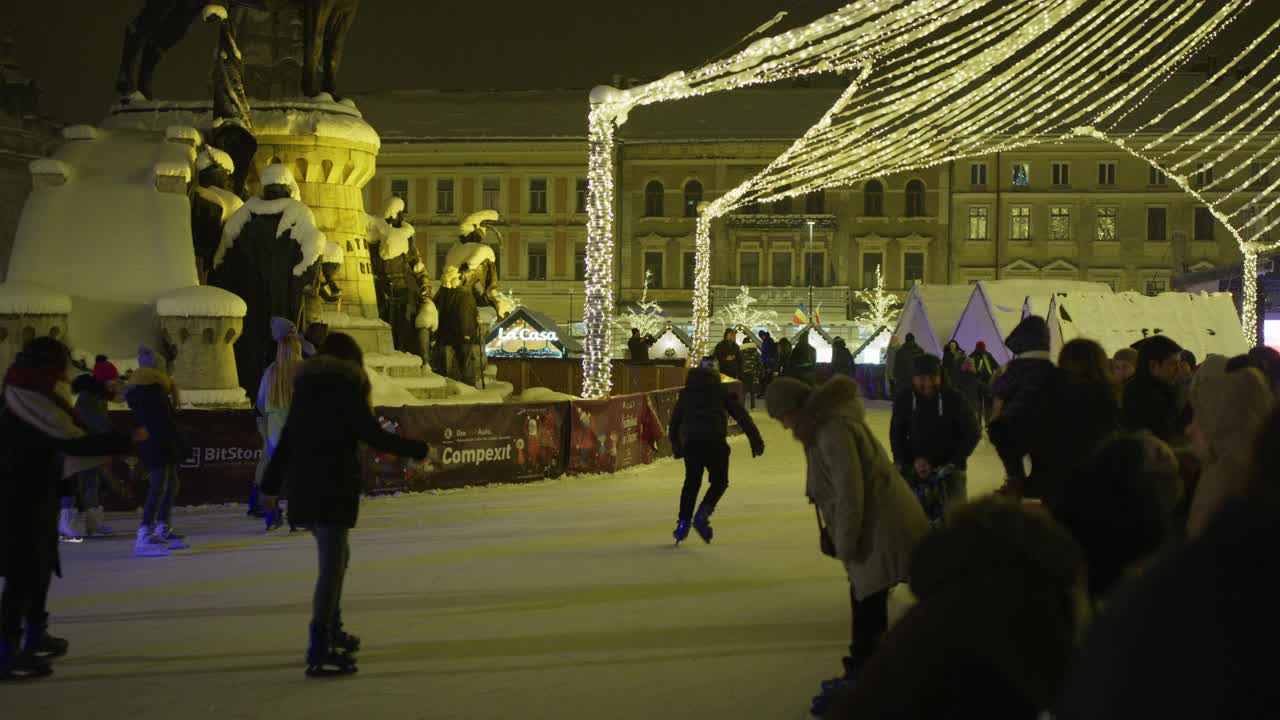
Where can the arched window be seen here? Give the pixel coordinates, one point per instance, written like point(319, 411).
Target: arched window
point(915, 199)
point(653, 193)
point(692, 197)
point(873, 199)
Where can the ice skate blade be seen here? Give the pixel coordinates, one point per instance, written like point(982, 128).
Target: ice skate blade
point(327, 671)
point(16, 676)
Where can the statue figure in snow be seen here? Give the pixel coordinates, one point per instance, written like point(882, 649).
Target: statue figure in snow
point(212, 204)
point(162, 24)
point(469, 280)
point(270, 255)
point(404, 291)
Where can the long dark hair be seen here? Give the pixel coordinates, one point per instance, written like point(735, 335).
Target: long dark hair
point(1085, 362)
point(343, 347)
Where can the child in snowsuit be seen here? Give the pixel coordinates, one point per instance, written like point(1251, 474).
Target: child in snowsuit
point(699, 425)
point(1016, 392)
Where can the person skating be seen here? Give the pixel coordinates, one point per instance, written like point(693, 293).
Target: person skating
point(638, 346)
point(802, 361)
point(768, 350)
point(1016, 392)
point(92, 398)
point(752, 372)
point(275, 394)
point(44, 443)
point(318, 460)
point(699, 426)
point(867, 518)
point(933, 428)
point(728, 355)
point(152, 398)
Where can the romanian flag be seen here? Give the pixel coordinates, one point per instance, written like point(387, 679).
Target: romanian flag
point(801, 316)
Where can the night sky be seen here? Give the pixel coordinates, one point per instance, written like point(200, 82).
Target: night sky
point(72, 47)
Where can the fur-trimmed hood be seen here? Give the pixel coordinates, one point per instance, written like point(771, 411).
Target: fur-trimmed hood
point(838, 396)
point(145, 376)
point(323, 369)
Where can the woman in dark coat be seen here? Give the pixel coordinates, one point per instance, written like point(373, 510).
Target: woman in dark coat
point(318, 459)
point(44, 443)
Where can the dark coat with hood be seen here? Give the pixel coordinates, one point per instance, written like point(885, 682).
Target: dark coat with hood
point(152, 397)
point(904, 361)
point(1150, 404)
point(841, 358)
point(729, 357)
point(943, 430)
point(702, 411)
point(802, 363)
point(871, 515)
point(318, 457)
point(1069, 425)
point(769, 352)
point(1000, 598)
point(1020, 383)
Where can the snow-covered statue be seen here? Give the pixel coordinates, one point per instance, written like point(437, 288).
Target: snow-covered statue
point(161, 24)
point(469, 280)
point(404, 291)
point(270, 255)
point(212, 203)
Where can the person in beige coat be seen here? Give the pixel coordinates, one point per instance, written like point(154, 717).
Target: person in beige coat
point(870, 521)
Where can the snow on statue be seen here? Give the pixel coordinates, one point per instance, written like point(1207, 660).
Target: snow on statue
point(469, 279)
point(212, 204)
point(270, 256)
point(404, 291)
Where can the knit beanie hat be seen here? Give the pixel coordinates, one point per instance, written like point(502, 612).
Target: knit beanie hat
point(1032, 334)
point(146, 358)
point(281, 329)
point(786, 395)
point(925, 365)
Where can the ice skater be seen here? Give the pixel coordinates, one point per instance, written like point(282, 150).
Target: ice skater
point(699, 425)
point(152, 398)
point(318, 460)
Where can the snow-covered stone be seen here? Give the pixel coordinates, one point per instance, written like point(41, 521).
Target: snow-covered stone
point(428, 317)
point(231, 398)
point(25, 299)
point(49, 166)
point(395, 241)
point(183, 134)
point(210, 155)
point(339, 321)
point(541, 394)
point(396, 359)
point(470, 253)
point(80, 132)
point(213, 11)
point(200, 301)
point(172, 169)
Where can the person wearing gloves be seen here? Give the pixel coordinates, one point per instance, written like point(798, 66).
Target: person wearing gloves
point(153, 399)
point(699, 426)
point(868, 518)
point(933, 429)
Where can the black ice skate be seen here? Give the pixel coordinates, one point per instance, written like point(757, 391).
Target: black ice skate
point(702, 523)
point(682, 531)
point(323, 659)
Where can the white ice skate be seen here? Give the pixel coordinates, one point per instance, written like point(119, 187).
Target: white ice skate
point(148, 545)
point(174, 540)
point(67, 531)
point(93, 526)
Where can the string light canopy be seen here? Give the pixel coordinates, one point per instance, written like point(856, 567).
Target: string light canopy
point(932, 81)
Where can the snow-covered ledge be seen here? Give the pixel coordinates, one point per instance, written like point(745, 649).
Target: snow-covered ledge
point(203, 322)
point(47, 172)
point(29, 311)
point(172, 176)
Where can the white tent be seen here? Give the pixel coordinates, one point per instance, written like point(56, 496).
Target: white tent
point(1202, 323)
point(931, 313)
point(995, 307)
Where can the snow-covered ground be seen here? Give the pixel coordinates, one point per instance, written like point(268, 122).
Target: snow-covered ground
point(562, 599)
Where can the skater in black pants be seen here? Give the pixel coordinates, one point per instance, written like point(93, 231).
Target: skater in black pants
point(318, 460)
point(699, 425)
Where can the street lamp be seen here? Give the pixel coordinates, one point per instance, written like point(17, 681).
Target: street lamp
point(809, 270)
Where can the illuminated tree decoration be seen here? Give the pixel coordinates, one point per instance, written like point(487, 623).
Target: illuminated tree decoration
point(882, 307)
point(647, 314)
point(740, 314)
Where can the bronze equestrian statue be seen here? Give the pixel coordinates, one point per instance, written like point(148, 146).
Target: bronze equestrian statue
point(163, 23)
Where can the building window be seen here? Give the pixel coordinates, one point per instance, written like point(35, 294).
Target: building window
point(1204, 225)
point(1020, 223)
point(1259, 176)
point(690, 268)
point(1106, 174)
point(749, 268)
point(538, 195)
point(781, 270)
point(1059, 223)
point(580, 196)
point(979, 226)
point(579, 262)
point(871, 264)
point(873, 199)
point(912, 269)
point(1157, 224)
point(1061, 174)
point(692, 198)
point(654, 195)
point(782, 206)
point(1155, 286)
point(978, 174)
point(1204, 175)
point(444, 196)
point(491, 193)
point(1108, 219)
point(537, 261)
point(815, 264)
point(653, 268)
point(1156, 177)
point(915, 199)
point(1021, 175)
point(400, 188)
point(815, 203)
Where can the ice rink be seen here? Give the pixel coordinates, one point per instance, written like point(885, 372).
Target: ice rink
point(561, 599)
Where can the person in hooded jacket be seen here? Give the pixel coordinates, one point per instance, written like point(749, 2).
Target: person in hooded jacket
point(728, 355)
point(904, 363)
point(841, 358)
point(45, 443)
point(867, 517)
point(318, 460)
point(802, 361)
point(1015, 393)
point(699, 426)
point(152, 398)
point(1151, 397)
point(933, 428)
point(92, 397)
point(1000, 601)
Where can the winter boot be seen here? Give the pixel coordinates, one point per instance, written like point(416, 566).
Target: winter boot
point(43, 645)
point(275, 519)
point(66, 527)
point(702, 522)
point(167, 535)
point(255, 510)
point(148, 545)
point(322, 659)
point(93, 526)
point(18, 665)
point(343, 640)
point(682, 531)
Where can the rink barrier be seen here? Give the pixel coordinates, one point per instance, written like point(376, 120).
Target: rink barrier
point(471, 445)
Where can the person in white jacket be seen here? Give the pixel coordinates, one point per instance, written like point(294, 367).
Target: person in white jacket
point(868, 517)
